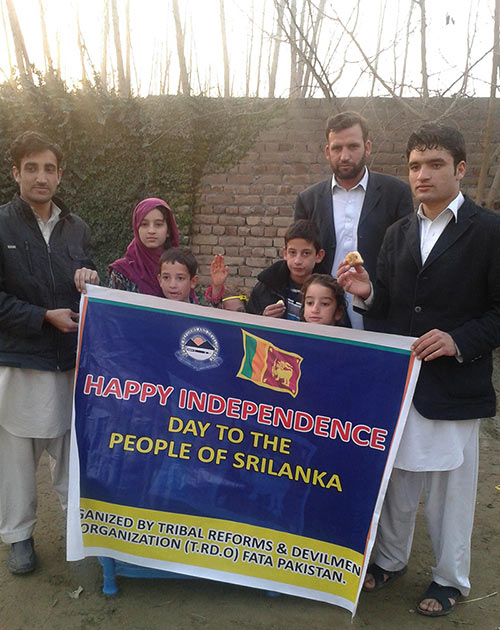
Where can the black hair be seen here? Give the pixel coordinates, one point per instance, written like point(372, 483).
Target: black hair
point(346, 120)
point(33, 142)
point(436, 136)
point(180, 255)
point(328, 281)
point(306, 230)
point(168, 216)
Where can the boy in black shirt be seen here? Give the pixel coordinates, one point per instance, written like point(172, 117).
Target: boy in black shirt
point(278, 290)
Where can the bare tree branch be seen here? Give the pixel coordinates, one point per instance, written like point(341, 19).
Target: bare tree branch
point(313, 62)
point(369, 64)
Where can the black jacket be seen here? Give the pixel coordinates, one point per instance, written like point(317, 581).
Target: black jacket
point(456, 290)
point(35, 278)
point(273, 284)
point(387, 200)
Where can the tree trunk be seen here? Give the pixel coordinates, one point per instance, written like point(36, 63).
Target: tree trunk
point(128, 48)
point(313, 49)
point(183, 78)
point(407, 45)
point(225, 57)
point(279, 5)
point(379, 44)
point(164, 82)
point(248, 67)
point(294, 56)
point(58, 49)
point(9, 56)
point(45, 40)
point(122, 82)
point(23, 62)
point(485, 160)
point(105, 36)
point(423, 50)
point(494, 188)
point(261, 48)
point(81, 50)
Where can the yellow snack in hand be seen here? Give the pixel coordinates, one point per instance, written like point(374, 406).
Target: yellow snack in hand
point(354, 258)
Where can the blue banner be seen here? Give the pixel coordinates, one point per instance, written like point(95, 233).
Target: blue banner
point(233, 447)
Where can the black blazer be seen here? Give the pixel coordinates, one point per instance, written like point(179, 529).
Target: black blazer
point(457, 290)
point(387, 200)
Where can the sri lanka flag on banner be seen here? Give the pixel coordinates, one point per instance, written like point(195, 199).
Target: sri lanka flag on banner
point(267, 365)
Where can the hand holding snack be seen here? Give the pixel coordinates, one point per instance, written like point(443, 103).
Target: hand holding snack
point(354, 277)
point(274, 310)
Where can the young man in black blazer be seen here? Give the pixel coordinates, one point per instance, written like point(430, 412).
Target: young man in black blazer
point(438, 280)
point(353, 208)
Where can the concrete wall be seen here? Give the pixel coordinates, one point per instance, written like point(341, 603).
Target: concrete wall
point(244, 213)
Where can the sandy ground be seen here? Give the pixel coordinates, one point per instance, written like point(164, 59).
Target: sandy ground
point(41, 600)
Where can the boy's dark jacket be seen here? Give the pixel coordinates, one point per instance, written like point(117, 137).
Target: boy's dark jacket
point(35, 278)
point(273, 284)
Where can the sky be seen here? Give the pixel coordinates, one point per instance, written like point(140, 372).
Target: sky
point(154, 42)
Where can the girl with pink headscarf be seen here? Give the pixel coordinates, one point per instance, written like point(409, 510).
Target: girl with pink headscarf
point(155, 230)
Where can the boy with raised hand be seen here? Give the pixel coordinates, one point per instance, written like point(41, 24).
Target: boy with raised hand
point(278, 290)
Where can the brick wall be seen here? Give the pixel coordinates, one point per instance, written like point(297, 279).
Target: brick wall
point(244, 213)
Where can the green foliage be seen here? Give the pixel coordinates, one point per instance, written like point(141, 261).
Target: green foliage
point(120, 151)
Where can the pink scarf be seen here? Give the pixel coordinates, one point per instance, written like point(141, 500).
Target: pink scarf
point(140, 264)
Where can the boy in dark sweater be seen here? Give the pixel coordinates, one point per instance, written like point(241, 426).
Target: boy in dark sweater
point(277, 292)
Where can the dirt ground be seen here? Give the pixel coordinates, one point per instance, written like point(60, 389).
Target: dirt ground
point(41, 600)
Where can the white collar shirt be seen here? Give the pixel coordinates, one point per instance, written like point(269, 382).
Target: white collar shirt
point(431, 230)
point(347, 205)
point(47, 228)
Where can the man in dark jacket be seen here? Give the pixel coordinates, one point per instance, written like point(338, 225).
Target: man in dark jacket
point(353, 208)
point(44, 263)
point(438, 279)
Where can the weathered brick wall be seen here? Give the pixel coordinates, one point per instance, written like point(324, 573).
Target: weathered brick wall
point(244, 213)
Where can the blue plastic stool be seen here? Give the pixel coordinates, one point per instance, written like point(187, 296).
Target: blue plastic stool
point(111, 568)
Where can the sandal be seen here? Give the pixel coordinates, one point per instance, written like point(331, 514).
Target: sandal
point(441, 594)
point(381, 577)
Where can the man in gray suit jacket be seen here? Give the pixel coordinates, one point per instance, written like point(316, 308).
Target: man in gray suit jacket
point(354, 207)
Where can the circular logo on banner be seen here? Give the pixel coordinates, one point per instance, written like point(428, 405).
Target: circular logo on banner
point(199, 349)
